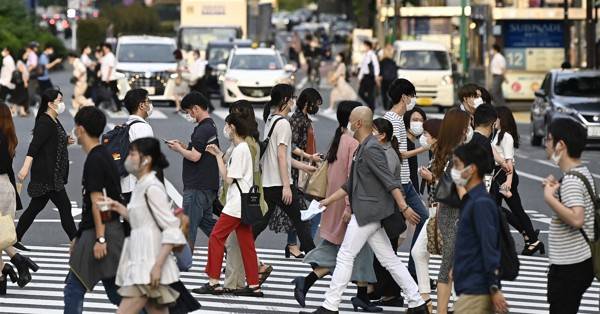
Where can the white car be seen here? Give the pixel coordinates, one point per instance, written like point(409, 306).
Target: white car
point(147, 62)
point(251, 73)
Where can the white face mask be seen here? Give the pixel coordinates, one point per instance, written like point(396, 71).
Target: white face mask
point(423, 142)
point(469, 135)
point(349, 128)
point(416, 127)
point(74, 136)
point(457, 177)
point(477, 102)
point(411, 104)
point(150, 109)
point(226, 133)
point(60, 108)
point(189, 118)
point(555, 157)
point(133, 168)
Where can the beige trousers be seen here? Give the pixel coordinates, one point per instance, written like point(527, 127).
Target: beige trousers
point(474, 304)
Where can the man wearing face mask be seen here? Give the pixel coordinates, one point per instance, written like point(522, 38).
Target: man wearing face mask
point(484, 118)
point(477, 246)
point(403, 96)
point(96, 250)
point(200, 170)
point(469, 98)
point(140, 109)
point(571, 268)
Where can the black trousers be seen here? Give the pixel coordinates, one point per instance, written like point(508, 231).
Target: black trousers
point(516, 216)
point(386, 286)
point(44, 85)
point(37, 204)
point(273, 199)
point(567, 284)
point(387, 102)
point(114, 93)
point(366, 91)
point(4, 91)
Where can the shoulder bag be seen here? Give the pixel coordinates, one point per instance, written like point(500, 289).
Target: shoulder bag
point(317, 184)
point(445, 190)
point(265, 143)
point(8, 235)
point(251, 212)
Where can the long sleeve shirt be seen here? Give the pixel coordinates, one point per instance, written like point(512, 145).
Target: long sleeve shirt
point(370, 57)
point(477, 247)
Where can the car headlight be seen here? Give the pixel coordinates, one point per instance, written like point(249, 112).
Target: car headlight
point(229, 79)
point(447, 80)
point(284, 80)
point(566, 110)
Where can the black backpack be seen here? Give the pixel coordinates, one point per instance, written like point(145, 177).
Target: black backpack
point(117, 142)
point(265, 143)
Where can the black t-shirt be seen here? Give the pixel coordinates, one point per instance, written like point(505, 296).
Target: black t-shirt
point(413, 164)
point(99, 171)
point(203, 174)
point(486, 143)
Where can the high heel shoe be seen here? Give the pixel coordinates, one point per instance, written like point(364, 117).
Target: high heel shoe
point(365, 306)
point(3, 285)
point(299, 294)
point(9, 271)
point(531, 248)
point(23, 265)
point(288, 253)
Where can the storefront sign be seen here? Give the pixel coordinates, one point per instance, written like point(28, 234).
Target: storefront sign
point(533, 34)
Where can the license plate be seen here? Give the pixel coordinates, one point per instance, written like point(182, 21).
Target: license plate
point(426, 101)
point(257, 93)
point(150, 89)
point(593, 131)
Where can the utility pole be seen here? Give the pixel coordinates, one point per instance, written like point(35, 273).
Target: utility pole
point(398, 20)
point(590, 34)
point(463, 38)
point(566, 30)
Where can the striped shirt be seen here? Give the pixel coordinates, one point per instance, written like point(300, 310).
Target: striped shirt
point(567, 245)
point(400, 133)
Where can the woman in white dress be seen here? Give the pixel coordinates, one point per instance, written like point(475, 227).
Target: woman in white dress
point(147, 268)
point(342, 89)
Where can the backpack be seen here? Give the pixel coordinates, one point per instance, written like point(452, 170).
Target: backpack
point(117, 143)
point(265, 143)
point(595, 242)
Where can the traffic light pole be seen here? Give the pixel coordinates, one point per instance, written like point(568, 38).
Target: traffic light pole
point(566, 30)
point(463, 38)
point(590, 34)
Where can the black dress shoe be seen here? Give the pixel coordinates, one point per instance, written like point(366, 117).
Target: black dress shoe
point(365, 306)
point(421, 309)
point(397, 302)
point(19, 246)
point(320, 310)
point(299, 291)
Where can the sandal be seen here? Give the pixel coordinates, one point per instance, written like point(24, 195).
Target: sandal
point(207, 288)
point(264, 275)
point(247, 291)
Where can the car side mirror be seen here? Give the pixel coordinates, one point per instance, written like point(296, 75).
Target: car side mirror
point(540, 93)
point(221, 67)
point(289, 68)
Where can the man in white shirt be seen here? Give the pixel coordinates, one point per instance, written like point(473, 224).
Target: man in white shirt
point(498, 70)
point(108, 63)
point(368, 71)
point(140, 108)
point(197, 68)
point(8, 67)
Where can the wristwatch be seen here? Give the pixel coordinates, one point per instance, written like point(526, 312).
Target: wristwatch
point(494, 289)
point(101, 240)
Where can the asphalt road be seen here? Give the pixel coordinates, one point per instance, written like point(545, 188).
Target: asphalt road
point(48, 239)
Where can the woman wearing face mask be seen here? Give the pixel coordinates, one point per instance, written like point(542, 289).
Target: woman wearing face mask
point(505, 187)
point(453, 132)
point(341, 89)
point(146, 267)
point(48, 160)
point(305, 149)
point(413, 121)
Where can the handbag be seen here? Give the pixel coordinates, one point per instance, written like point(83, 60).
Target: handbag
point(445, 190)
point(176, 249)
point(394, 224)
point(186, 303)
point(317, 184)
point(8, 235)
point(251, 212)
point(434, 237)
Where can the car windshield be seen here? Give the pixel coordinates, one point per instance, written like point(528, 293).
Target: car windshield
point(256, 62)
point(423, 60)
point(147, 53)
point(198, 38)
point(218, 55)
point(577, 85)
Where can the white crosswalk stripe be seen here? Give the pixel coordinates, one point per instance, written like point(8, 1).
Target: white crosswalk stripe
point(45, 293)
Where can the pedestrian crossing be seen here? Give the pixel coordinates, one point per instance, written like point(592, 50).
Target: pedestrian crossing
point(45, 293)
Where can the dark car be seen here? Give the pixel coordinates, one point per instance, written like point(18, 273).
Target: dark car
point(217, 52)
point(572, 94)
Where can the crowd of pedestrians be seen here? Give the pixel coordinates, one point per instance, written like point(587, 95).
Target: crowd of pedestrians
point(239, 181)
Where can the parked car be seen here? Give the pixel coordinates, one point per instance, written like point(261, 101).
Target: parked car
point(573, 94)
point(251, 73)
point(148, 62)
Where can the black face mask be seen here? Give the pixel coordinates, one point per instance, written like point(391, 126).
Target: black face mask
point(312, 109)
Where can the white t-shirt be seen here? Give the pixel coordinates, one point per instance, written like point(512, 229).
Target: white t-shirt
point(370, 57)
point(107, 67)
point(197, 69)
point(498, 64)
point(505, 148)
point(8, 67)
point(137, 130)
point(282, 134)
point(239, 167)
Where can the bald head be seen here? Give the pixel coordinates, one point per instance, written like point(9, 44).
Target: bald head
point(364, 115)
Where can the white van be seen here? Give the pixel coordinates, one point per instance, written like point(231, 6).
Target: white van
point(428, 66)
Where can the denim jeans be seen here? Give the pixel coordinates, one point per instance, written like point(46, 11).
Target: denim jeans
point(75, 293)
point(197, 204)
point(413, 199)
point(314, 226)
